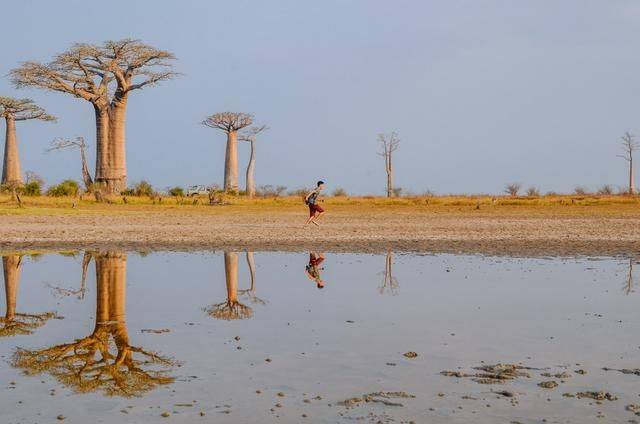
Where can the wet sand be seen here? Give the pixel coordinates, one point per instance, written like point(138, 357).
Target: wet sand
point(568, 231)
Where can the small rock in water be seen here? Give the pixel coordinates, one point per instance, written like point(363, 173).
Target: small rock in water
point(60, 417)
point(410, 354)
point(165, 415)
point(548, 384)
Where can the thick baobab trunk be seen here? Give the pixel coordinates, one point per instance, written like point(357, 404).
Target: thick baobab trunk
point(11, 269)
point(11, 170)
point(231, 162)
point(251, 183)
point(102, 143)
point(117, 164)
point(231, 275)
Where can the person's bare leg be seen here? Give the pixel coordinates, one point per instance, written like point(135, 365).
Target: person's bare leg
point(313, 220)
point(318, 216)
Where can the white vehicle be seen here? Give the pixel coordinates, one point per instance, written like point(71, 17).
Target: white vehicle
point(197, 190)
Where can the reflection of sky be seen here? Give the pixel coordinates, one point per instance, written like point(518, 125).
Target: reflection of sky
point(498, 309)
point(495, 90)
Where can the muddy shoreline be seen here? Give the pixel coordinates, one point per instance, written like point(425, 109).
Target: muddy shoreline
point(343, 231)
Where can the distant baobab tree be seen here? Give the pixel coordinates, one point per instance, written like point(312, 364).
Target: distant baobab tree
point(230, 309)
point(13, 110)
point(15, 323)
point(103, 75)
point(78, 142)
point(250, 136)
point(389, 143)
point(629, 146)
point(230, 123)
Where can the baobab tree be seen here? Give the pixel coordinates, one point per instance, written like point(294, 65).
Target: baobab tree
point(105, 360)
point(629, 146)
point(230, 123)
point(231, 308)
point(13, 110)
point(389, 144)
point(103, 75)
point(250, 136)
point(15, 323)
point(78, 142)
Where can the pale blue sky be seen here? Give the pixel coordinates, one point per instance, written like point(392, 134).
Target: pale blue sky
point(481, 92)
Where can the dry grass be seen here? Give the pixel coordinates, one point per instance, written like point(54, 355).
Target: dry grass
point(577, 205)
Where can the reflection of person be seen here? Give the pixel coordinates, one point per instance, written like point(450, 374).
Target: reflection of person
point(312, 270)
point(311, 199)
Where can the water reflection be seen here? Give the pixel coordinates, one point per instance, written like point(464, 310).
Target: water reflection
point(627, 288)
point(389, 282)
point(313, 268)
point(105, 360)
point(13, 322)
point(231, 308)
point(250, 293)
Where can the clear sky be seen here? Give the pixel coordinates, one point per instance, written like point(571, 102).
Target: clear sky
point(481, 92)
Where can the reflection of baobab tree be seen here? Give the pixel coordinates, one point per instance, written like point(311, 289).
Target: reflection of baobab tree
point(250, 293)
point(627, 288)
point(14, 323)
point(231, 308)
point(105, 360)
point(389, 282)
point(62, 291)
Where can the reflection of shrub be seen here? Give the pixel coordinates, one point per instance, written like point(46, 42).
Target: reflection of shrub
point(340, 192)
point(65, 188)
point(176, 191)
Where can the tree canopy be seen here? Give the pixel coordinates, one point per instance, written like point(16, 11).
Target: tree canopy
point(22, 110)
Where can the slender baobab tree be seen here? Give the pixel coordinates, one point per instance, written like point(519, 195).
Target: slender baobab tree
point(103, 75)
point(13, 110)
point(389, 143)
point(230, 123)
point(231, 308)
point(78, 142)
point(103, 361)
point(629, 146)
point(628, 283)
point(14, 323)
point(250, 136)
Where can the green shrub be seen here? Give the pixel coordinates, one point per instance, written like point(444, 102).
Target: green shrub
point(32, 188)
point(143, 188)
point(128, 192)
point(176, 191)
point(65, 188)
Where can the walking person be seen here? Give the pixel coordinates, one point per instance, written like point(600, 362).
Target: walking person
point(311, 199)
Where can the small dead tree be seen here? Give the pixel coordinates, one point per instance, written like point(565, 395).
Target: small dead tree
point(512, 189)
point(629, 146)
point(230, 123)
point(389, 143)
point(250, 136)
point(78, 142)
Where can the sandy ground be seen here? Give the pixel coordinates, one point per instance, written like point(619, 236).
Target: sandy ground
point(512, 231)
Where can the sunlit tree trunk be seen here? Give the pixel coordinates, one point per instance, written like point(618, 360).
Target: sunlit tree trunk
point(11, 269)
point(389, 177)
point(231, 275)
point(11, 170)
point(117, 178)
point(231, 162)
point(632, 188)
point(251, 183)
point(102, 143)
